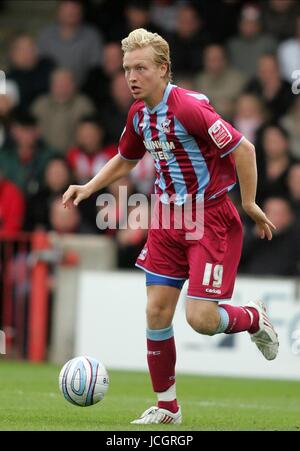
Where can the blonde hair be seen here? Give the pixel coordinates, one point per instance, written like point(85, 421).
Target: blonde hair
point(140, 38)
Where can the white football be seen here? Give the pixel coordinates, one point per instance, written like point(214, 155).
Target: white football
point(83, 381)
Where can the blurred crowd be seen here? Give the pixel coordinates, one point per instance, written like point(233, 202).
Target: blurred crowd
point(67, 100)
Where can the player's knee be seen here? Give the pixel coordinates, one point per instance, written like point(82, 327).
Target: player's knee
point(158, 316)
point(203, 323)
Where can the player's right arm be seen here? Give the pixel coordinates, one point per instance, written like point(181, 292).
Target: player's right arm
point(114, 169)
point(131, 150)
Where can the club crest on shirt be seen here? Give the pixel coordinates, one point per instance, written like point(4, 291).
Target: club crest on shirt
point(165, 125)
point(220, 134)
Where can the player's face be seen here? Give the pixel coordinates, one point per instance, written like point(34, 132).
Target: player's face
point(144, 77)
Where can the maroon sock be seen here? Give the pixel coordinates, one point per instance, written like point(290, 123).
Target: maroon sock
point(255, 324)
point(240, 319)
point(172, 406)
point(161, 358)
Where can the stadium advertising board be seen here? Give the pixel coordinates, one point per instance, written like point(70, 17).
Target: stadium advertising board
point(111, 327)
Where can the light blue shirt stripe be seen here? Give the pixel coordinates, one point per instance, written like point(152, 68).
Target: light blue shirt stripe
point(197, 160)
point(160, 181)
point(198, 96)
point(168, 89)
point(136, 123)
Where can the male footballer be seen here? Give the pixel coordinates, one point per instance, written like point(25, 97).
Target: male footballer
point(197, 155)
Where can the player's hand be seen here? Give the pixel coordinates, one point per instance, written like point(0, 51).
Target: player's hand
point(264, 225)
point(75, 194)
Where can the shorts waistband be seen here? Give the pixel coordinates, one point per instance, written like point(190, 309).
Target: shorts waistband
point(208, 203)
point(218, 200)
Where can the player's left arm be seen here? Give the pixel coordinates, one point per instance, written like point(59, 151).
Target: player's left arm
point(245, 161)
point(207, 125)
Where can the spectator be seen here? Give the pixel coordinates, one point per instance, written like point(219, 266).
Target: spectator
point(80, 220)
point(25, 162)
point(269, 86)
point(293, 181)
point(279, 17)
point(64, 220)
point(8, 102)
point(112, 207)
point(164, 14)
point(138, 15)
point(275, 163)
point(57, 177)
point(12, 207)
point(222, 17)
point(220, 82)
point(134, 14)
point(113, 59)
point(130, 241)
point(71, 43)
point(96, 86)
point(289, 54)
point(28, 71)
point(185, 82)
point(291, 123)
point(280, 256)
point(100, 14)
point(188, 41)
point(246, 48)
point(59, 112)
point(249, 115)
point(114, 113)
point(89, 155)
point(86, 159)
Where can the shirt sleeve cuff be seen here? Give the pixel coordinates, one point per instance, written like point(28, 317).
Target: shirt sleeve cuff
point(233, 148)
point(128, 159)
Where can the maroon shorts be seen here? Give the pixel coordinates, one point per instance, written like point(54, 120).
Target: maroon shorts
point(210, 263)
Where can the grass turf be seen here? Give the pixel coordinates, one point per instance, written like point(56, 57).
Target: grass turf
point(30, 400)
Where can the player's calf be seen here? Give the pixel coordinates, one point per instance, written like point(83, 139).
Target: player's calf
point(209, 318)
point(203, 316)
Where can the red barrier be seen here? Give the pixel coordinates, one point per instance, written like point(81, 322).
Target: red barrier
point(24, 293)
point(38, 305)
point(8, 295)
point(12, 292)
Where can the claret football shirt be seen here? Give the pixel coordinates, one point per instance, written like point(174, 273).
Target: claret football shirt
point(190, 143)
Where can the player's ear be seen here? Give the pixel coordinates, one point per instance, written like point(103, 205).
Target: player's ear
point(163, 70)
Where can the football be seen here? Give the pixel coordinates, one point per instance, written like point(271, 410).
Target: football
point(83, 381)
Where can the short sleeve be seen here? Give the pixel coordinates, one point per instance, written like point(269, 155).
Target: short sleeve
point(208, 126)
point(131, 146)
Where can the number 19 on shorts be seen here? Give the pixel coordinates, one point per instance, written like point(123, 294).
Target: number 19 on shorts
point(213, 275)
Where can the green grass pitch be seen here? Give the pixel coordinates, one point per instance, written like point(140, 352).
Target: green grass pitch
point(30, 400)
